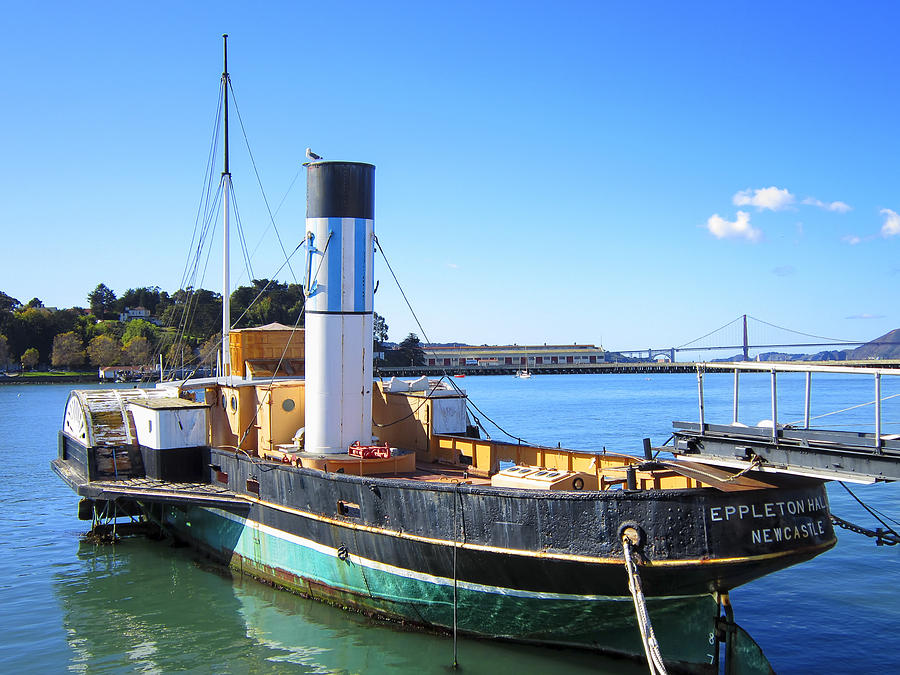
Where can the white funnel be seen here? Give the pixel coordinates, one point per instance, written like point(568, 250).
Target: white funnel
point(340, 214)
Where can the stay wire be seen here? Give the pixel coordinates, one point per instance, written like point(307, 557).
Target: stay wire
point(240, 230)
point(871, 511)
point(425, 335)
point(425, 400)
point(852, 407)
point(300, 316)
point(288, 191)
point(191, 302)
point(266, 287)
point(258, 179)
point(206, 191)
point(236, 322)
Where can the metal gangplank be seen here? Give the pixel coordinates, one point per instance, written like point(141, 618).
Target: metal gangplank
point(799, 449)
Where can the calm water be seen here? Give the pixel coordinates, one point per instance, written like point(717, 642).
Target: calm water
point(141, 606)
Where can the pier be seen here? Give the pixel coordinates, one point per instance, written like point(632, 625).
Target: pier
point(648, 367)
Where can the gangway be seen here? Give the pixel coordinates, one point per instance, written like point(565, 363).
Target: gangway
point(799, 449)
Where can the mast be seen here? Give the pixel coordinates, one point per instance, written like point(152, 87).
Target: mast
point(226, 193)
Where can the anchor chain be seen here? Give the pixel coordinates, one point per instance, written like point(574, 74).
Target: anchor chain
point(755, 463)
point(881, 537)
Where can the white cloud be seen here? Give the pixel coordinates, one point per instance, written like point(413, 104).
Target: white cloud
point(851, 239)
point(891, 223)
point(838, 207)
point(740, 227)
point(865, 316)
point(771, 198)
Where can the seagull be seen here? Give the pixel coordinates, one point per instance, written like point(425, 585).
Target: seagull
point(311, 155)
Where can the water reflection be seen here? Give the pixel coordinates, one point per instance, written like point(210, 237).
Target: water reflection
point(143, 606)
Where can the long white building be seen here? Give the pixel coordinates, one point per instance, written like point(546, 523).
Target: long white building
point(513, 355)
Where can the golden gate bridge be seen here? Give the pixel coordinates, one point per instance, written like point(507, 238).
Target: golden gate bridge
point(745, 333)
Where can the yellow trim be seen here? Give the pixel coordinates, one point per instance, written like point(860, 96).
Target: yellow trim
point(537, 554)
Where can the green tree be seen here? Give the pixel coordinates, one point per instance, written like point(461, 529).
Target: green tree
point(33, 327)
point(149, 297)
point(30, 358)
point(197, 313)
point(140, 328)
point(8, 303)
point(102, 301)
point(110, 328)
point(85, 327)
point(411, 352)
point(209, 350)
point(4, 352)
point(137, 351)
point(35, 302)
point(68, 350)
point(380, 330)
point(104, 351)
point(266, 301)
point(179, 354)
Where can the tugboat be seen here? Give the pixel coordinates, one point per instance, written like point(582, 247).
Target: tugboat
point(296, 467)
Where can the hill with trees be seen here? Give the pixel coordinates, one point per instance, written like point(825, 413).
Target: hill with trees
point(185, 326)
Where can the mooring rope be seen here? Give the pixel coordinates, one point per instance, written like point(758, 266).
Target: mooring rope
point(648, 638)
point(455, 547)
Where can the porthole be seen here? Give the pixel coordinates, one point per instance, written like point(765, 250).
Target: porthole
point(288, 404)
point(233, 403)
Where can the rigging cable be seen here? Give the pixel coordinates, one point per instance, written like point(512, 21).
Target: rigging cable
point(286, 346)
point(258, 179)
point(425, 335)
point(887, 527)
point(852, 407)
point(240, 230)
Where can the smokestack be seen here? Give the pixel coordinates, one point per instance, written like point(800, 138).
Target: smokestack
point(340, 215)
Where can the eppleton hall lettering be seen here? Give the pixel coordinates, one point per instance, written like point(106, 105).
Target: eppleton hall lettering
point(775, 534)
point(792, 507)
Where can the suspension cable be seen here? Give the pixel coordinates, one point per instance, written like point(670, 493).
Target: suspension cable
point(797, 332)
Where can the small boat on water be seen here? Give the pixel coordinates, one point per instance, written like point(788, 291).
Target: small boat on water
point(522, 374)
point(305, 472)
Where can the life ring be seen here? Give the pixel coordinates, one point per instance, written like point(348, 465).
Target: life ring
point(578, 483)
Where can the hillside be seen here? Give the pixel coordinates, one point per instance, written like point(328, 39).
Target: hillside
point(885, 347)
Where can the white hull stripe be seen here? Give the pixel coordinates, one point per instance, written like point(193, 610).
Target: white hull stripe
point(420, 576)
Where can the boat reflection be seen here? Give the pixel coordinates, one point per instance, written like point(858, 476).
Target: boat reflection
point(141, 606)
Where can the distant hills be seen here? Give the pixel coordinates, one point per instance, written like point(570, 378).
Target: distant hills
point(885, 347)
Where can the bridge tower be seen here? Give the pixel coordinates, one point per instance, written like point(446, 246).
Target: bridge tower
point(746, 343)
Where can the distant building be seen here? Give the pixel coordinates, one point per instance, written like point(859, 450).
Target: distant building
point(513, 355)
point(132, 313)
point(125, 373)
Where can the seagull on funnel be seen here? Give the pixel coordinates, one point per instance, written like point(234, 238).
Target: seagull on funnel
point(311, 155)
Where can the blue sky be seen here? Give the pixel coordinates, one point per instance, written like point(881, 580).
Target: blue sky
point(624, 173)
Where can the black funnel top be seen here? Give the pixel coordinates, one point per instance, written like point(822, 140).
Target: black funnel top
point(340, 190)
